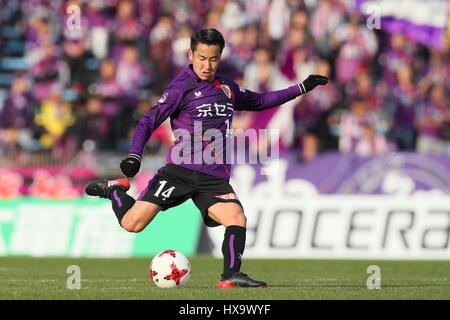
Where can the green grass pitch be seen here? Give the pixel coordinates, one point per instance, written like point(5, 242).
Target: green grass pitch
point(46, 278)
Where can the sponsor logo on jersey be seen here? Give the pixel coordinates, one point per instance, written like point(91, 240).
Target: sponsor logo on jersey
point(228, 196)
point(216, 109)
point(163, 98)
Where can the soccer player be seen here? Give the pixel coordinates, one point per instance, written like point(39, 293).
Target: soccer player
point(198, 96)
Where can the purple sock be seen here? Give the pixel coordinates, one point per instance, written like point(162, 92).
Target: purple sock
point(232, 249)
point(121, 201)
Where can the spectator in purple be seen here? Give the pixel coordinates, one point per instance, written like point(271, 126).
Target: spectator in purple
point(396, 54)
point(299, 20)
point(356, 46)
point(98, 27)
point(405, 99)
point(233, 16)
point(278, 20)
point(46, 72)
point(239, 52)
point(213, 20)
point(363, 88)
point(126, 27)
point(432, 119)
point(295, 39)
point(38, 32)
point(373, 95)
point(148, 10)
point(16, 118)
point(260, 75)
point(371, 143)
point(160, 50)
point(110, 91)
point(76, 57)
point(180, 47)
point(310, 113)
point(255, 10)
point(130, 75)
point(95, 13)
point(325, 19)
point(304, 62)
point(352, 126)
point(92, 130)
point(108, 88)
point(437, 72)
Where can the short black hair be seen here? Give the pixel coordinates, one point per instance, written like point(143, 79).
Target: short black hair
point(209, 37)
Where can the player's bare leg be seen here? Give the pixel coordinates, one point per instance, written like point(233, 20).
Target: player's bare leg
point(231, 215)
point(228, 214)
point(139, 216)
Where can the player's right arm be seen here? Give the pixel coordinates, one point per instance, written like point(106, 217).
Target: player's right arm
point(166, 105)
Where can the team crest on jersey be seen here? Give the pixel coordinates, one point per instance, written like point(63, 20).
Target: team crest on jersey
point(163, 98)
point(226, 89)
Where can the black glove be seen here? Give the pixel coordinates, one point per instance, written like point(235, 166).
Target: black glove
point(311, 82)
point(131, 165)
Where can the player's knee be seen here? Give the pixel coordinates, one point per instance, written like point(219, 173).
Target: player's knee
point(239, 219)
point(133, 228)
point(132, 225)
point(243, 220)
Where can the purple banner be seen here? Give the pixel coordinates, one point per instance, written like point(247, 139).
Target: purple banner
point(424, 21)
point(334, 173)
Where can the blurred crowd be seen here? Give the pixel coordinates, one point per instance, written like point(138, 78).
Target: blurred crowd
point(78, 75)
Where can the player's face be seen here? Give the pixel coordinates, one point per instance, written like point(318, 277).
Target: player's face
point(205, 60)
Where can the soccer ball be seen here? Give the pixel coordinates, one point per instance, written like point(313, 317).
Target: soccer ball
point(170, 269)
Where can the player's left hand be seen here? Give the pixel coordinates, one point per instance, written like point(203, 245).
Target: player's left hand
point(313, 81)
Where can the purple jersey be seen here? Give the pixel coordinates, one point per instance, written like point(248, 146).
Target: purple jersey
point(197, 106)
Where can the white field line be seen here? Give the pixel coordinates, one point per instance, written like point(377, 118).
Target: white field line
point(145, 280)
point(83, 280)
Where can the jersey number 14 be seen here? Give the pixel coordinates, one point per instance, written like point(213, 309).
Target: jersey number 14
point(167, 192)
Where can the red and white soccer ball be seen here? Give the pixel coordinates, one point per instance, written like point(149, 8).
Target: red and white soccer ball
point(170, 269)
